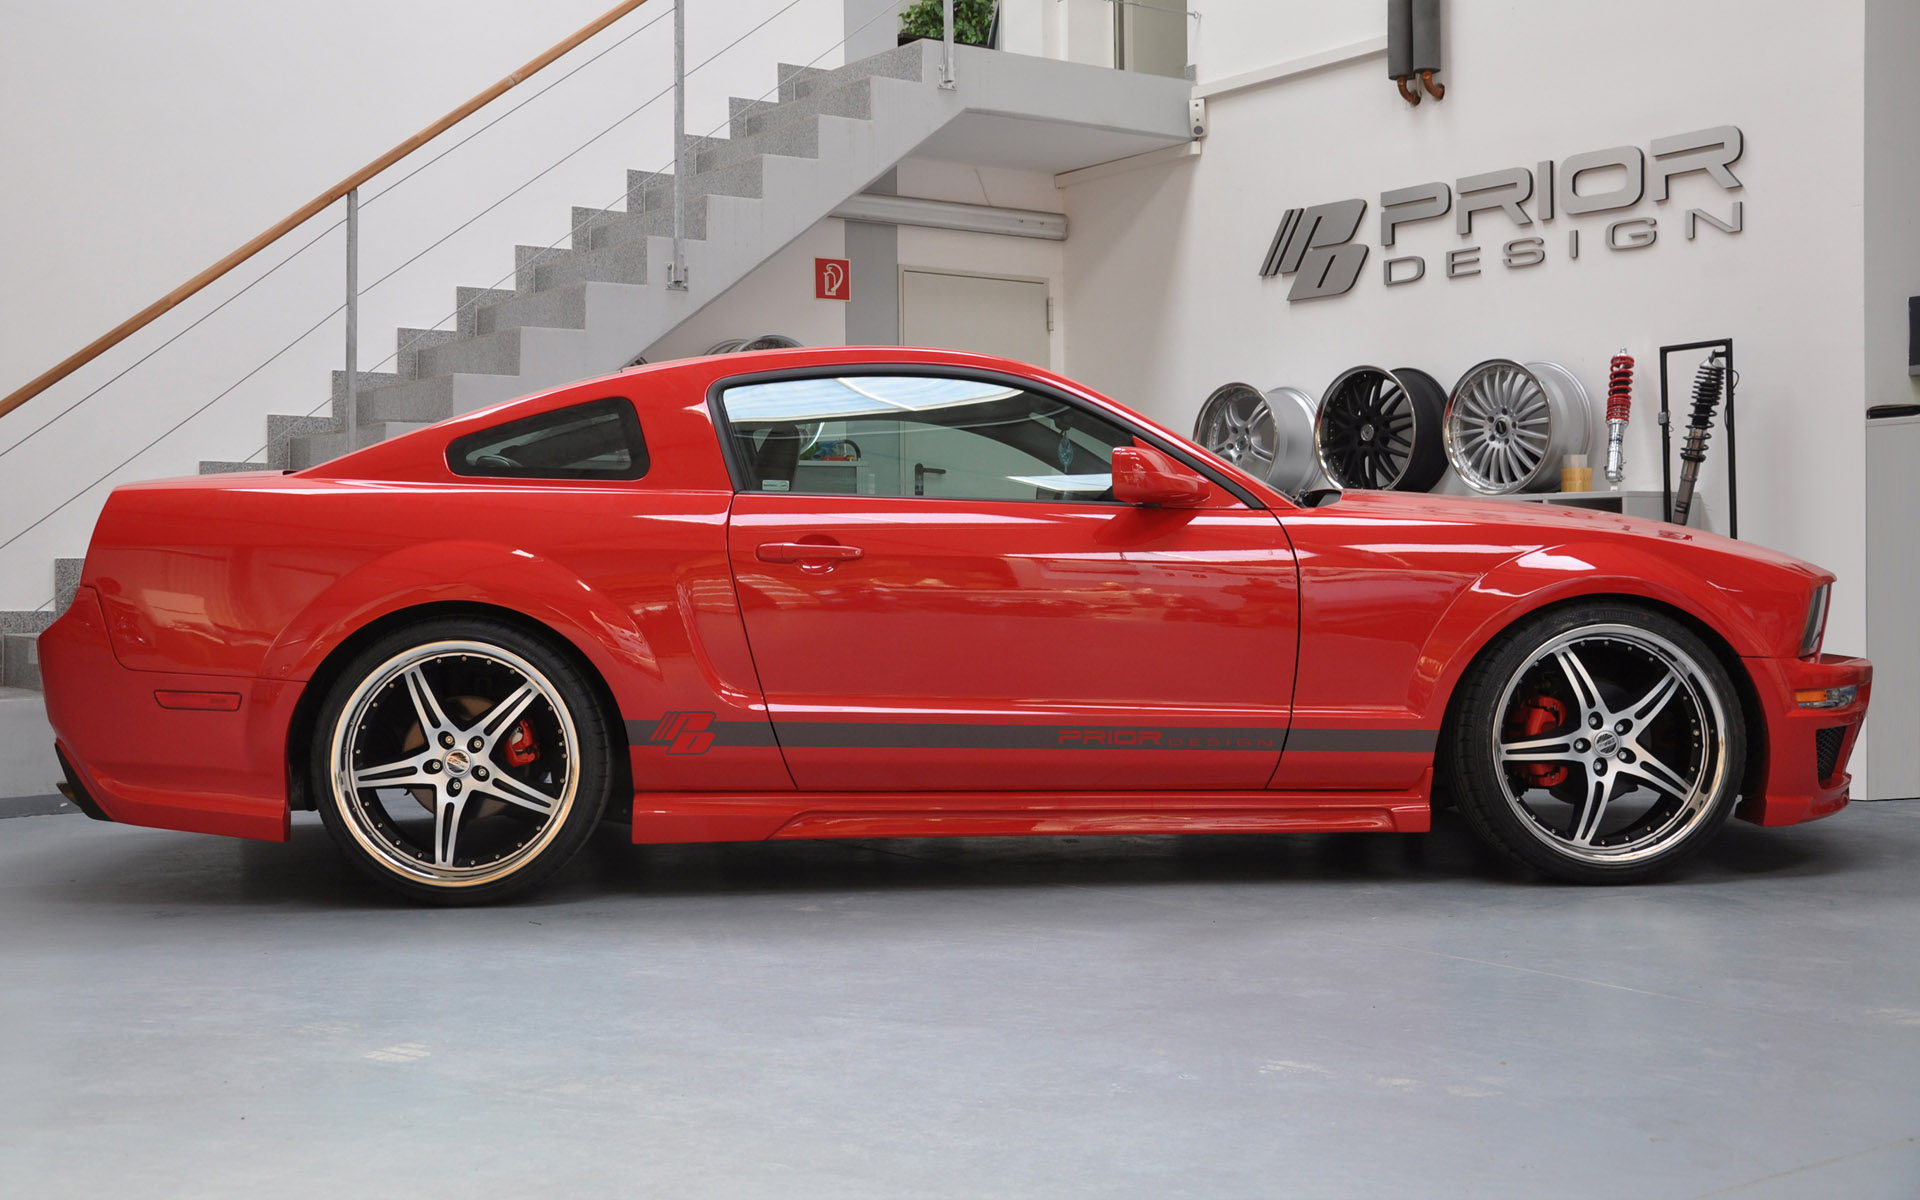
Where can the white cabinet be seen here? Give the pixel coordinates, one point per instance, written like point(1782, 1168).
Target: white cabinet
point(1893, 607)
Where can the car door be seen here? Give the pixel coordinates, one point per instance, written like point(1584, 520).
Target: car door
point(940, 593)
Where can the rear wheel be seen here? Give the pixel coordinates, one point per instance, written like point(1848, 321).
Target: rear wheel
point(461, 761)
point(1599, 743)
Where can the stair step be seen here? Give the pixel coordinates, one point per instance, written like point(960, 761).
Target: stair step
point(496, 353)
point(27, 622)
point(325, 447)
point(853, 98)
point(470, 301)
point(20, 661)
point(210, 466)
point(66, 581)
point(798, 138)
point(639, 222)
point(553, 308)
point(655, 189)
point(424, 400)
point(796, 81)
point(364, 381)
point(622, 262)
point(409, 343)
point(282, 429)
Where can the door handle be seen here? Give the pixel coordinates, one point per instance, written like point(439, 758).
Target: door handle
point(793, 552)
point(920, 473)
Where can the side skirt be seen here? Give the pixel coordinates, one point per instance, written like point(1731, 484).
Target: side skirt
point(663, 817)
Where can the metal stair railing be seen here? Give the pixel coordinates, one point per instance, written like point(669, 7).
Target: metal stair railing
point(306, 212)
point(347, 190)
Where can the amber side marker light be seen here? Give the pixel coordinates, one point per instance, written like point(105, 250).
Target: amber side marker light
point(1838, 697)
point(200, 701)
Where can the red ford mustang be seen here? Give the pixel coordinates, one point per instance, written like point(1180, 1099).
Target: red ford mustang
point(867, 593)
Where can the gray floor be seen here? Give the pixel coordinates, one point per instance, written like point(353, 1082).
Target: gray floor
point(1367, 1016)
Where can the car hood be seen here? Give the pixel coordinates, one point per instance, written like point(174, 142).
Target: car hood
point(1551, 522)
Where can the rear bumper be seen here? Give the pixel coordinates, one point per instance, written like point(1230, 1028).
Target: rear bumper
point(1804, 776)
point(141, 764)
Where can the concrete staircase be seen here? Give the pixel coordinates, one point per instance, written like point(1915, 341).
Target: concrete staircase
point(589, 308)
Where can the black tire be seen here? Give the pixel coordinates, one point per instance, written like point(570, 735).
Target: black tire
point(508, 755)
point(1605, 769)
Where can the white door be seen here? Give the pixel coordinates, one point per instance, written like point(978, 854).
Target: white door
point(984, 314)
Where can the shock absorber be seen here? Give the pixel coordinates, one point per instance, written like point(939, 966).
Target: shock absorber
point(1619, 406)
point(1709, 384)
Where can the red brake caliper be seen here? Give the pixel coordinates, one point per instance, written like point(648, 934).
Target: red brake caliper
point(1539, 717)
point(523, 749)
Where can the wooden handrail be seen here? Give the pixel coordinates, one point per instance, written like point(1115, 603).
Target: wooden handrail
point(306, 212)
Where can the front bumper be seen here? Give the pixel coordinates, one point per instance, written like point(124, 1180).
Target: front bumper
point(1803, 769)
point(143, 764)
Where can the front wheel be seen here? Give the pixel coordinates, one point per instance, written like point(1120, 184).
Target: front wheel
point(1599, 743)
point(460, 761)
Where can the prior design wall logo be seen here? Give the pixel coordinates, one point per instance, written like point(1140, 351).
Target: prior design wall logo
point(1316, 245)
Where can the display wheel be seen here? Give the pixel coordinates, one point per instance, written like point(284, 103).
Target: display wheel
point(1509, 426)
point(1381, 429)
point(1269, 435)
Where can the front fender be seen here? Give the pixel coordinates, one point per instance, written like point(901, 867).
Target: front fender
point(1757, 607)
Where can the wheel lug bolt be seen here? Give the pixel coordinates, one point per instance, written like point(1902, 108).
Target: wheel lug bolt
point(433, 768)
point(1623, 756)
point(1581, 745)
point(446, 740)
point(453, 787)
point(481, 772)
point(1623, 726)
point(1599, 766)
point(1593, 720)
point(475, 745)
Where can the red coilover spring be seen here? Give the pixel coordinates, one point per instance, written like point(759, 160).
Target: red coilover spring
point(1619, 387)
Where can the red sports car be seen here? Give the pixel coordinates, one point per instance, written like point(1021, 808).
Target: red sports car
point(859, 593)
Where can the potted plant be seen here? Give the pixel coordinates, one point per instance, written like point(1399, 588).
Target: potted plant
point(972, 21)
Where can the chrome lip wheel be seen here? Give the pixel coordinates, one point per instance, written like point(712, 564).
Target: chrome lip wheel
point(1508, 426)
point(1380, 429)
point(1635, 760)
point(454, 763)
point(1269, 435)
point(1235, 424)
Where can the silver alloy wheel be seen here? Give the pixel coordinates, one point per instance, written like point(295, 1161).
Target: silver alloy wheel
point(443, 727)
point(1642, 745)
point(1509, 426)
point(1268, 435)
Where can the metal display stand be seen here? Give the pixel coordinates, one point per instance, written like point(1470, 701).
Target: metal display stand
point(1725, 346)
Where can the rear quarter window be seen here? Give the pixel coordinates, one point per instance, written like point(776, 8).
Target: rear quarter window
point(599, 440)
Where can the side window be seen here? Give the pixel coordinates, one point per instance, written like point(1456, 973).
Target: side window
point(919, 435)
point(600, 440)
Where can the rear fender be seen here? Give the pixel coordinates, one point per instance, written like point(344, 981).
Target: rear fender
point(469, 572)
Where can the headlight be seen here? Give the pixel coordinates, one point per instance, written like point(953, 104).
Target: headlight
point(1816, 621)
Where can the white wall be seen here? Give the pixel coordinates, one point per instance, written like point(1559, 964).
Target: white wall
point(1164, 302)
point(142, 142)
point(1892, 253)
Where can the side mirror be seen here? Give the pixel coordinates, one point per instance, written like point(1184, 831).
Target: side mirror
point(1142, 475)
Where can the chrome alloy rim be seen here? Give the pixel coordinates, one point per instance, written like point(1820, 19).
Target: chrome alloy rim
point(1626, 751)
point(455, 763)
point(1269, 435)
point(1236, 424)
point(1509, 426)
